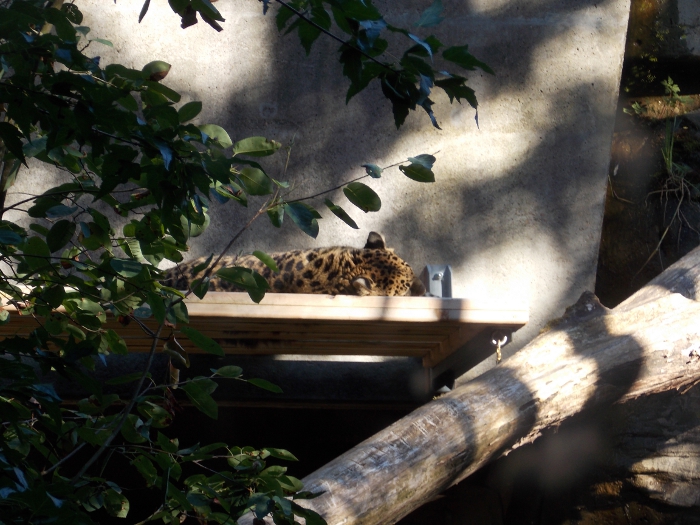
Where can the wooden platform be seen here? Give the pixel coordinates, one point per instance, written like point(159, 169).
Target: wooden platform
point(428, 327)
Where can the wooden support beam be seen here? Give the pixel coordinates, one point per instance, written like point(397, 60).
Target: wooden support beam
point(430, 328)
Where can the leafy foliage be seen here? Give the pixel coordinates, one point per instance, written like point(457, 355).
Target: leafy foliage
point(406, 82)
point(128, 153)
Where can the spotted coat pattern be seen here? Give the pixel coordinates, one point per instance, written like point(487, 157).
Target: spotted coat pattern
point(372, 270)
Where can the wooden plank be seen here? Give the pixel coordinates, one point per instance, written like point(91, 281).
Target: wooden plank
point(427, 327)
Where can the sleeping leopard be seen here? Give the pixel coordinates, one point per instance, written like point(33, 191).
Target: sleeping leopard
point(336, 270)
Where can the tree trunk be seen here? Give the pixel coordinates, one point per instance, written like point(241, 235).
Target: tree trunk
point(591, 356)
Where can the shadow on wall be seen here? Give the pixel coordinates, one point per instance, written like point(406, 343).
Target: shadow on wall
point(301, 99)
point(534, 220)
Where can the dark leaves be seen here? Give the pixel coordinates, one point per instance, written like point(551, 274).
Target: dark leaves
point(304, 217)
point(362, 196)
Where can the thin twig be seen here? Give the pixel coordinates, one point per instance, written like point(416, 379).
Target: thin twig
point(126, 411)
point(349, 182)
point(334, 37)
point(658, 246)
point(64, 459)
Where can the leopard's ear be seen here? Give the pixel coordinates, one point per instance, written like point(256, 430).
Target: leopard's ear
point(417, 288)
point(362, 285)
point(375, 241)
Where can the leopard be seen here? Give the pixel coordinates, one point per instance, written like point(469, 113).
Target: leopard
point(374, 270)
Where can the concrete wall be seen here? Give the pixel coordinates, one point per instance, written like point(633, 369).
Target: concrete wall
point(689, 18)
point(517, 206)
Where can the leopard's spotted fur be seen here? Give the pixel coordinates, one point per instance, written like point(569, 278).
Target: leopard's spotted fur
point(372, 270)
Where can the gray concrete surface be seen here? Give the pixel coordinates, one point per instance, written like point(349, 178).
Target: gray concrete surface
point(518, 203)
point(689, 19)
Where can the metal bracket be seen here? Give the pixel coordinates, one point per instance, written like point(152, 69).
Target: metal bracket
point(437, 280)
point(479, 348)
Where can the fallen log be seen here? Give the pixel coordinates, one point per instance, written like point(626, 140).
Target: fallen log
point(592, 356)
point(657, 447)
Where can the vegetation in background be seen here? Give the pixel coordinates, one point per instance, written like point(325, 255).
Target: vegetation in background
point(128, 152)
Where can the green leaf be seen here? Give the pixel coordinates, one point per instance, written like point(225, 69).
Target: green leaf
point(461, 56)
point(290, 483)
point(33, 148)
point(201, 266)
point(156, 70)
point(255, 181)
point(155, 301)
point(207, 8)
point(238, 275)
point(157, 415)
point(116, 504)
point(129, 102)
point(102, 41)
point(168, 93)
point(307, 34)
point(4, 317)
point(303, 217)
point(64, 29)
point(116, 343)
point(200, 287)
point(216, 133)
point(76, 332)
point(146, 469)
point(59, 234)
point(280, 453)
point(10, 237)
point(311, 517)
point(431, 16)
point(418, 172)
point(265, 385)
point(144, 9)
point(11, 136)
point(189, 111)
point(424, 160)
point(276, 215)
point(130, 429)
point(455, 87)
point(267, 260)
point(362, 196)
point(341, 214)
point(37, 252)
point(169, 445)
point(72, 13)
point(192, 226)
point(245, 278)
point(60, 210)
point(373, 170)
point(283, 504)
point(229, 371)
point(202, 341)
point(201, 399)
point(126, 267)
point(256, 147)
point(54, 295)
point(41, 230)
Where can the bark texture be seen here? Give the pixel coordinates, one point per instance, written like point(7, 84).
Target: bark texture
point(658, 446)
point(591, 356)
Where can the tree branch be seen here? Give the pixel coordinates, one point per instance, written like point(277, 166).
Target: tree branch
point(334, 37)
point(127, 410)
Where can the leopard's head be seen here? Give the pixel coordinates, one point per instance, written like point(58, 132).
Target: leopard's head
point(382, 272)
